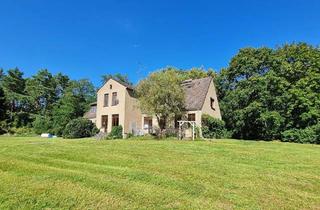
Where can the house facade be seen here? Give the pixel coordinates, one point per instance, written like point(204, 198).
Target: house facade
point(117, 105)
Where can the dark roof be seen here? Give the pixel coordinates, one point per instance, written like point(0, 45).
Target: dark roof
point(195, 92)
point(91, 114)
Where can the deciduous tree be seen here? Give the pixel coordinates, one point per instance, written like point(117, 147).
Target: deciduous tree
point(161, 95)
point(266, 91)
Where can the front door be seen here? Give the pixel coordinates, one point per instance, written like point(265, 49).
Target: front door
point(147, 125)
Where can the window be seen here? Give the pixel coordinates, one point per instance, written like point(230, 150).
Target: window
point(106, 99)
point(212, 103)
point(114, 99)
point(110, 87)
point(115, 120)
point(191, 117)
point(93, 109)
point(104, 122)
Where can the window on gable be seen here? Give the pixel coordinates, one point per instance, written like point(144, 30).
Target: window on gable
point(106, 100)
point(212, 103)
point(115, 101)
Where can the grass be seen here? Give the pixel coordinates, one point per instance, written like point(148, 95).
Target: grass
point(131, 174)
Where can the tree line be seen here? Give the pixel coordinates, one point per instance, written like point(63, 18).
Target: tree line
point(264, 93)
point(272, 93)
point(43, 101)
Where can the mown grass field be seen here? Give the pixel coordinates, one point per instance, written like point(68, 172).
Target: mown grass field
point(131, 174)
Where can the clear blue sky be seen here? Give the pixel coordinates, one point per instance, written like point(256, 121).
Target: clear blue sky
point(85, 39)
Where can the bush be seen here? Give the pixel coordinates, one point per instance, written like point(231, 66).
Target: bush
point(22, 131)
point(95, 130)
point(213, 127)
point(171, 132)
point(308, 135)
point(4, 127)
point(42, 125)
point(116, 133)
point(129, 135)
point(316, 129)
point(79, 128)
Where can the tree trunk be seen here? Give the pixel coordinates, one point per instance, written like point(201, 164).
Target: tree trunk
point(162, 125)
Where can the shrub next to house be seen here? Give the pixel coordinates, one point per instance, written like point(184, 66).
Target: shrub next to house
point(79, 128)
point(213, 128)
point(308, 135)
point(116, 133)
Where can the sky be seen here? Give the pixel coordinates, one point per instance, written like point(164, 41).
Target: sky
point(86, 39)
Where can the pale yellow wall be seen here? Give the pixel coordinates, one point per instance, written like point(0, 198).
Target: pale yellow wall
point(206, 108)
point(133, 114)
point(109, 110)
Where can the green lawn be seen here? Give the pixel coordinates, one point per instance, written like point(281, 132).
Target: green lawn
point(223, 174)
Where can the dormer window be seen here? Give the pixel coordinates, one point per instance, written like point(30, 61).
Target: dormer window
point(212, 103)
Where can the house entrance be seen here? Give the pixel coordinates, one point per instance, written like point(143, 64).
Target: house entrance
point(147, 125)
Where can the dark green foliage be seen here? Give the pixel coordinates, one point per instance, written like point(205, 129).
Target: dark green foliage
point(42, 125)
point(3, 105)
point(44, 100)
point(116, 133)
point(95, 130)
point(308, 135)
point(22, 131)
point(72, 104)
point(316, 129)
point(118, 77)
point(3, 112)
point(213, 127)
point(67, 108)
point(265, 92)
point(79, 128)
point(13, 85)
point(41, 91)
point(195, 73)
point(4, 127)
